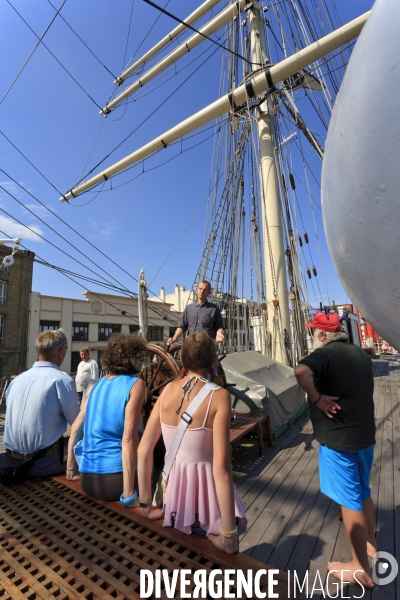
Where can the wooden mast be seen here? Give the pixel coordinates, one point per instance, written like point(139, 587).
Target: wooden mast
point(278, 344)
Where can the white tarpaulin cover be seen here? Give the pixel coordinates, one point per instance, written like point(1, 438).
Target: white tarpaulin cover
point(263, 385)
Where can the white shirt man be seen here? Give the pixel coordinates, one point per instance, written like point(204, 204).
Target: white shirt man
point(41, 403)
point(87, 371)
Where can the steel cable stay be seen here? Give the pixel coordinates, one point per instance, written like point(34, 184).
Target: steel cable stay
point(80, 39)
point(45, 263)
point(152, 87)
point(141, 163)
point(53, 55)
point(127, 292)
point(62, 220)
point(315, 225)
point(44, 239)
point(296, 293)
point(151, 114)
point(282, 163)
point(40, 40)
point(57, 233)
point(187, 227)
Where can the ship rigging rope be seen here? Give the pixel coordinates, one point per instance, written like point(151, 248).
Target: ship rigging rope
point(48, 241)
point(151, 114)
point(186, 228)
point(144, 171)
point(206, 37)
point(74, 230)
point(81, 40)
point(292, 205)
point(52, 229)
point(32, 165)
point(155, 59)
point(315, 224)
point(53, 55)
point(127, 37)
point(155, 85)
point(124, 105)
point(145, 37)
point(33, 51)
point(67, 274)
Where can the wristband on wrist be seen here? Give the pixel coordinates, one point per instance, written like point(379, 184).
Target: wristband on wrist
point(128, 501)
point(319, 398)
point(145, 504)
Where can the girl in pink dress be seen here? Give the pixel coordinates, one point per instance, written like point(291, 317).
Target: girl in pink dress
point(200, 486)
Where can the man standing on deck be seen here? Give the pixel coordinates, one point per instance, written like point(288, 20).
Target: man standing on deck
point(201, 316)
point(337, 378)
point(86, 372)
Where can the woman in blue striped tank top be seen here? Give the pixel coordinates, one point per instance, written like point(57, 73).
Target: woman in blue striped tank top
point(109, 420)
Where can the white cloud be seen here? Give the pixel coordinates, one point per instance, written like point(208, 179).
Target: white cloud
point(12, 229)
point(39, 210)
point(11, 187)
point(105, 229)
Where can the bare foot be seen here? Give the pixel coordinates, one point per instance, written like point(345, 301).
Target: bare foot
point(371, 549)
point(228, 545)
point(350, 573)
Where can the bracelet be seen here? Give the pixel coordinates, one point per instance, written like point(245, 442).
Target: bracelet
point(70, 469)
point(228, 533)
point(145, 504)
point(128, 501)
point(316, 402)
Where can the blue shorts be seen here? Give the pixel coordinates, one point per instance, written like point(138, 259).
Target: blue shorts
point(344, 475)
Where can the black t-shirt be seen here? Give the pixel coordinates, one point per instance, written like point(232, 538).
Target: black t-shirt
point(344, 370)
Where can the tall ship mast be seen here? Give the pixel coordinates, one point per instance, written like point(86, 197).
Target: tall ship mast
point(280, 63)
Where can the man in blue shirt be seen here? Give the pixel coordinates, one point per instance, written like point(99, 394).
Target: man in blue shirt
point(40, 404)
point(201, 316)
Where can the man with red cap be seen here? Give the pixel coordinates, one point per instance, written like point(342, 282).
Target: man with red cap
point(337, 377)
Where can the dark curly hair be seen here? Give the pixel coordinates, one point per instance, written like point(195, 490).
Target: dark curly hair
point(198, 351)
point(125, 354)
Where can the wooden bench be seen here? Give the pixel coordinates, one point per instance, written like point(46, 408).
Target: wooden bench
point(58, 542)
point(244, 423)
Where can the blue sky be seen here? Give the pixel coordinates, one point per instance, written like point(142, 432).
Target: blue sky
point(57, 127)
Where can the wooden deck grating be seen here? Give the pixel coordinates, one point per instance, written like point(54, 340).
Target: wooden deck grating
point(57, 542)
point(294, 527)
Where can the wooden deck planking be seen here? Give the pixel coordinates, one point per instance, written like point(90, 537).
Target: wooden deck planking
point(280, 506)
point(246, 460)
point(265, 497)
point(385, 522)
point(396, 465)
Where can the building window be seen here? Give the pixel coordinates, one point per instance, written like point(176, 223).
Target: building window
point(155, 334)
point(172, 331)
point(3, 292)
point(134, 328)
point(75, 360)
point(80, 332)
point(1, 329)
point(106, 331)
point(49, 325)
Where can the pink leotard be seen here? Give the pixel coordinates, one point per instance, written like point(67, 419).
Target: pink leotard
point(191, 489)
